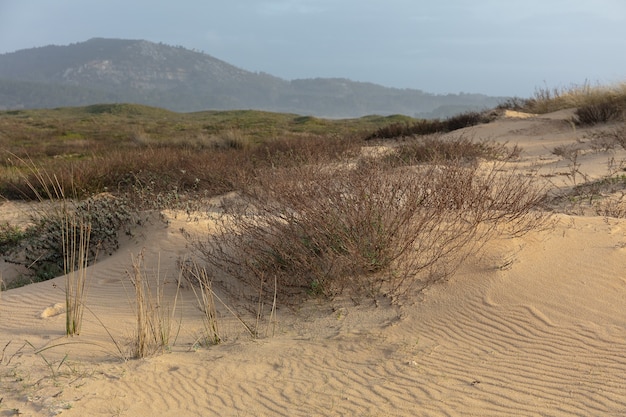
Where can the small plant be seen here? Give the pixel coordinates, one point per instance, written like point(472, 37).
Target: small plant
point(65, 238)
point(571, 153)
point(10, 236)
point(601, 112)
point(612, 207)
point(76, 235)
point(202, 287)
point(609, 138)
point(154, 318)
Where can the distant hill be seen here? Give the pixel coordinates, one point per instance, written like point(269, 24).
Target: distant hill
point(136, 71)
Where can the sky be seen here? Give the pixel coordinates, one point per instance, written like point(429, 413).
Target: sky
point(494, 47)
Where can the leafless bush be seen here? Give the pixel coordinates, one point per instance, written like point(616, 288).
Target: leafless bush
point(570, 153)
point(602, 143)
point(437, 147)
point(600, 112)
point(612, 207)
point(608, 139)
point(367, 230)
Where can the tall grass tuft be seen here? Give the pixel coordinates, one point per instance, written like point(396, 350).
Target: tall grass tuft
point(154, 318)
point(76, 243)
point(75, 235)
point(202, 286)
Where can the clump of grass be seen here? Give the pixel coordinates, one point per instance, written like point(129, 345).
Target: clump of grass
point(596, 102)
point(233, 139)
point(202, 286)
point(154, 318)
point(72, 232)
point(76, 242)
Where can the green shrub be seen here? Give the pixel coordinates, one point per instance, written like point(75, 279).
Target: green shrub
point(10, 236)
point(41, 249)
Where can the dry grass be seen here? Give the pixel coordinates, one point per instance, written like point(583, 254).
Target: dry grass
point(595, 103)
point(202, 287)
point(154, 317)
point(76, 247)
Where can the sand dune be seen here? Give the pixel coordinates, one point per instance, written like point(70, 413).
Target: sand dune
point(534, 326)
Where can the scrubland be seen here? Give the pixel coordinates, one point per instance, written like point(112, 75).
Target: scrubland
point(386, 252)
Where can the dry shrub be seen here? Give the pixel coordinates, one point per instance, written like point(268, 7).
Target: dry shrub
point(612, 207)
point(429, 127)
point(367, 230)
point(400, 130)
point(600, 112)
point(609, 138)
point(466, 119)
point(440, 148)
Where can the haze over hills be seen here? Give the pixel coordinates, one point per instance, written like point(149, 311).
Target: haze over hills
point(137, 71)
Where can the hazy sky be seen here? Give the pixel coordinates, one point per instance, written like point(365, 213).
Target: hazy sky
point(496, 47)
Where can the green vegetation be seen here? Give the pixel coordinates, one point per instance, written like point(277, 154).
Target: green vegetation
point(42, 247)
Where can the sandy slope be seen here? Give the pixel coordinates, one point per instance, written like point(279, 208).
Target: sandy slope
point(535, 326)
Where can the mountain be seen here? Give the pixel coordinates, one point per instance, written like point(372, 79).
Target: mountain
point(137, 71)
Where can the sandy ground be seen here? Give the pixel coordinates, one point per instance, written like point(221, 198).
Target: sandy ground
point(534, 326)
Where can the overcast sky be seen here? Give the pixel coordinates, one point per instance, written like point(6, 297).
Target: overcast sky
point(496, 47)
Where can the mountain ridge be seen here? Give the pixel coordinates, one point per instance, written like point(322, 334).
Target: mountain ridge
point(173, 77)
